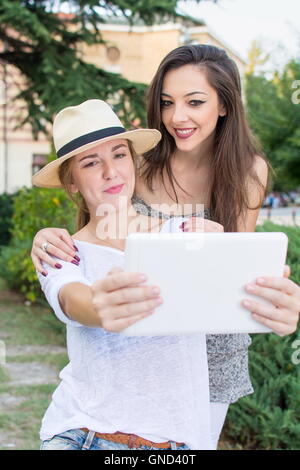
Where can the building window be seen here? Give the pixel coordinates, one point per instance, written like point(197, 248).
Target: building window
point(38, 161)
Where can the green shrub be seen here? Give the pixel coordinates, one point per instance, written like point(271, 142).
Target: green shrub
point(33, 209)
point(6, 212)
point(36, 208)
point(270, 418)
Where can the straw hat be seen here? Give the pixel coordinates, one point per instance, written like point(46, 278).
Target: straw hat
point(78, 128)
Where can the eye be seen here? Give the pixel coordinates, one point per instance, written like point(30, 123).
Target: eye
point(196, 102)
point(165, 103)
point(90, 164)
point(120, 155)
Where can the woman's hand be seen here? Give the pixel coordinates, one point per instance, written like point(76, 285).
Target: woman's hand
point(120, 300)
point(60, 244)
point(283, 315)
point(198, 224)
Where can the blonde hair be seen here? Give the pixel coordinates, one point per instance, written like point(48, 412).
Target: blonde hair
point(65, 176)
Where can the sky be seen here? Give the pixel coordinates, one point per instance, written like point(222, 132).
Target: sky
point(275, 23)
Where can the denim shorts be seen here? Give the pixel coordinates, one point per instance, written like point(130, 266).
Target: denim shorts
point(76, 439)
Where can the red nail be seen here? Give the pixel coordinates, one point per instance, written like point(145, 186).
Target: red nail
point(75, 248)
point(77, 258)
point(44, 274)
point(75, 262)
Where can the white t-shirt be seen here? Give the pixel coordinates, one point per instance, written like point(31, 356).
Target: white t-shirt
point(156, 387)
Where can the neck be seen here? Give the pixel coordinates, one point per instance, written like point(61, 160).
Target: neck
point(194, 159)
point(112, 226)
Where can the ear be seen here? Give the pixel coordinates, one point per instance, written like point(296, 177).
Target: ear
point(73, 188)
point(222, 110)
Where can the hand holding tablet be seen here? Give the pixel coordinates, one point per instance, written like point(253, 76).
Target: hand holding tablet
point(202, 277)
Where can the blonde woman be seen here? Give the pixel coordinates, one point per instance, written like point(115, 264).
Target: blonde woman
point(117, 392)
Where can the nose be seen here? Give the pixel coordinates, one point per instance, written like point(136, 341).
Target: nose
point(179, 114)
point(109, 171)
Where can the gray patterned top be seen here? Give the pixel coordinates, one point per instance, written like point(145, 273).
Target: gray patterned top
point(227, 354)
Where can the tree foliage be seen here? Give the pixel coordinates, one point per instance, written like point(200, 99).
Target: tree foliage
point(44, 45)
point(274, 113)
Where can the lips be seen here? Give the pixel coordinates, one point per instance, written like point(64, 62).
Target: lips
point(185, 133)
point(114, 189)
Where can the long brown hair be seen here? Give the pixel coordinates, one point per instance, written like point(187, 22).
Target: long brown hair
point(65, 176)
point(234, 149)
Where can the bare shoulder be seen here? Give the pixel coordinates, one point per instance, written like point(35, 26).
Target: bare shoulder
point(261, 169)
point(256, 192)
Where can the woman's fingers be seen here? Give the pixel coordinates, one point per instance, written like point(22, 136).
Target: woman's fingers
point(120, 300)
point(119, 280)
point(199, 224)
point(58, 249)
point(279, 283)
point(277, 297)
point(133, 294)
point(282, 314)
point(122, 323)
point(68, 240)
point(281, 329)
point(279, 320)
point(38, 266)
point(287, 271)
point(41, 255)
point(60, 243)
point(134, 308)
point(121, 316)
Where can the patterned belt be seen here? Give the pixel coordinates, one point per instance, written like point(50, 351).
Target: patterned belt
point(131, 440)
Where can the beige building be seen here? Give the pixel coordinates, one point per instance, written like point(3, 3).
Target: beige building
point(133, 52)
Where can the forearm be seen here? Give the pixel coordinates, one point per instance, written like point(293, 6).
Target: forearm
point(76, 302)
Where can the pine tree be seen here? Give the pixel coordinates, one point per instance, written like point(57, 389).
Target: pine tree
point(45, 47)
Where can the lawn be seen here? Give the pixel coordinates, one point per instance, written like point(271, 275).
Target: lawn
point(33, 340)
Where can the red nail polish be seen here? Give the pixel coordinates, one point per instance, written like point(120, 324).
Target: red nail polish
point(58, 266)
point(75, 262)
point(75, 248)
point(77, 258)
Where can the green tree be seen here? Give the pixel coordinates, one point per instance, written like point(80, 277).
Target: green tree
point(273, 107)
point(45, 47)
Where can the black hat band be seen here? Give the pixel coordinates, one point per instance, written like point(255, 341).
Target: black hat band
point(89, 138)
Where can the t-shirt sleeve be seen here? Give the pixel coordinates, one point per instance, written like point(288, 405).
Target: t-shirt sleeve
point(55, 280)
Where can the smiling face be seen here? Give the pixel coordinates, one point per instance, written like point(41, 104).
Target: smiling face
point(103, 174)
point(190, 107)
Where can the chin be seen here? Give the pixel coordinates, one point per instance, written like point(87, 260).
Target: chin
point(188, 146)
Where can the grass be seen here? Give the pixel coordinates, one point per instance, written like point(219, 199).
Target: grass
point(22, 324)
point(22, 423)
point(30, 324)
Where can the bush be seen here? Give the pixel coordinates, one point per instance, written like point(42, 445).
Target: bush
point(6, 212)
point(269, 419)
point(34, 209)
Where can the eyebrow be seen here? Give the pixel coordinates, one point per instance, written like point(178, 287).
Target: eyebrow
point(188, 94)
point(93, 155)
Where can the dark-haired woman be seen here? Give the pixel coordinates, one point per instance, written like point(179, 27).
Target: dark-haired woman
point(207, 157)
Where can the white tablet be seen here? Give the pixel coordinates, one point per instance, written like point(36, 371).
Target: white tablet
point(202, 278)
